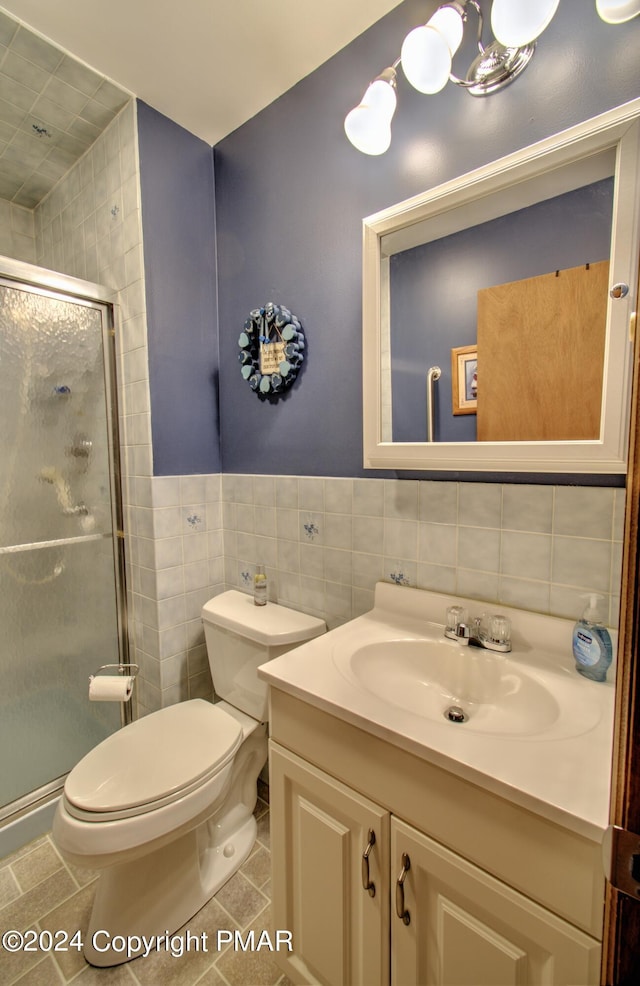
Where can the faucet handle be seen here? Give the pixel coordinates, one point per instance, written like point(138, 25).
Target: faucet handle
point(455, 616)
point(500, 629)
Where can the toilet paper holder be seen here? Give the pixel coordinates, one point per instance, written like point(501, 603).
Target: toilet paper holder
point(130, 670)
point(114, 683)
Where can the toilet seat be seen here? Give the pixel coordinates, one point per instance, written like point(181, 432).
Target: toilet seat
point(125, 776)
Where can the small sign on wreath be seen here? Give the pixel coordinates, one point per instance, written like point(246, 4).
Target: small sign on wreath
point(271, 349)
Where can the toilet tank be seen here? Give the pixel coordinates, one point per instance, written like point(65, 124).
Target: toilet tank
point(241, 636)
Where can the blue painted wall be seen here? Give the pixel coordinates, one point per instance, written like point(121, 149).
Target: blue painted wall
point(291, 193)
point(178, 216)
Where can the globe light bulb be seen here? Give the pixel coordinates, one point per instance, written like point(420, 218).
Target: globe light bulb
point(516, 23)
point(427, 51)
point(448, 21)
point(368, 125)
point(617, 11)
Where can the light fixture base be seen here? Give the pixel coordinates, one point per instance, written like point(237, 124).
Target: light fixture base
point(495, 68)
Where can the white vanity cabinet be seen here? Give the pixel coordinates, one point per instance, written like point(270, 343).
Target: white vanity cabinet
point(495, 894)
point(320, 830)
point(465, 927)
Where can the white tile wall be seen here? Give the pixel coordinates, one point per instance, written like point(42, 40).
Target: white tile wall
point(17, 232)
point(178, 567)
point(326, 542)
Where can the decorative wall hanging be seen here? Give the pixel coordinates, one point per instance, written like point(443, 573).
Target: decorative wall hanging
point(271, 349)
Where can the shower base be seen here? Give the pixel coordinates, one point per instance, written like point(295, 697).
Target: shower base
point(28, 827)
point(32, 757)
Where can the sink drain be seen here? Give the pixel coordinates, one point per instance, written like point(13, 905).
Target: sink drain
point(455, 714)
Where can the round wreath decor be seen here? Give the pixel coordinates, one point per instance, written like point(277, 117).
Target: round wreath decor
point(271, 349)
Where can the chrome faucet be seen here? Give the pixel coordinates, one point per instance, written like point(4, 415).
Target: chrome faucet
point(491, 633)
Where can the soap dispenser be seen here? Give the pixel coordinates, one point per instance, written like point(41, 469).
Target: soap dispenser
point(592, 643)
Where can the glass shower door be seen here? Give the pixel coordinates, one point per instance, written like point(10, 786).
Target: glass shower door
point(60, 585)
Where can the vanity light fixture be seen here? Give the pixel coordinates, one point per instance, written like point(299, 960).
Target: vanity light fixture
point(427, 55)
point(618, 11)
point(368, 126)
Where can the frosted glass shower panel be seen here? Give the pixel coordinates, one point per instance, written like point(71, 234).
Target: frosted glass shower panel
point(54, 443)
point(59, 623)
point(59, 564)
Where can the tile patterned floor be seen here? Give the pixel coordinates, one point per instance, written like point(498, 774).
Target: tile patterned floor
point(39, 891)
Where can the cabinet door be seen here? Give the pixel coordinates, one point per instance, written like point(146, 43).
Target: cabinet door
point(468, 929)
point(320, 831)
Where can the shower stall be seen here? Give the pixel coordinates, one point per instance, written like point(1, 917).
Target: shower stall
point(62, 610)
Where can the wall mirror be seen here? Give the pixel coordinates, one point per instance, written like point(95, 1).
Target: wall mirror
point(498, 311)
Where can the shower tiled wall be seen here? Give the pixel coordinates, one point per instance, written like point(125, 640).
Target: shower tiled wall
point(17, 232)
point(90, 227)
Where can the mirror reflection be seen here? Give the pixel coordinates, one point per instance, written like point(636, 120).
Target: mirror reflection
point(513, 312)
point(493, 338)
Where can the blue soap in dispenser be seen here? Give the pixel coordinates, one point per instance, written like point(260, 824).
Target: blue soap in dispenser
point(592, 643)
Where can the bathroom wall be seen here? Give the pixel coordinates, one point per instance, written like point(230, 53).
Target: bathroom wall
point(290, 197)
point(17, 232)
point(176, 171)
point(326, 542)
point(178, 512)
point(178, 540)
point(291, 193)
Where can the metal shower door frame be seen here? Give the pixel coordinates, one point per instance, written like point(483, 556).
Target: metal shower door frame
point(62, 287)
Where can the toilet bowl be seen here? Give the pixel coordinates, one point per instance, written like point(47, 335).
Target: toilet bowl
point(164, 807)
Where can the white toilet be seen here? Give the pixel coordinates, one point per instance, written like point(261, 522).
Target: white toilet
point(165, 805)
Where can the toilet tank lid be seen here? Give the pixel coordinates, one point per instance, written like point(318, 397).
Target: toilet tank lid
point(271, 625)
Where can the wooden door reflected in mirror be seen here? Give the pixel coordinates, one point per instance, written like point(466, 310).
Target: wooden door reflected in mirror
point(541, 345)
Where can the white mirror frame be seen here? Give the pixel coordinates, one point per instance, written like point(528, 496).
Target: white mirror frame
point(614, 135)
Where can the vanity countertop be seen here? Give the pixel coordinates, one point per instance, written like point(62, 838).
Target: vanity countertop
point(561, 773)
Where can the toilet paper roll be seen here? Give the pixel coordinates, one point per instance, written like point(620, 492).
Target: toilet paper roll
point(110, 688)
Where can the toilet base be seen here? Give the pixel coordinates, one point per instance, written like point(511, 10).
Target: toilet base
point(139, 903)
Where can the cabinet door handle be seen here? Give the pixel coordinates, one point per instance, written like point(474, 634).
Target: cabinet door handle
point(401, 911)
point(367, 883)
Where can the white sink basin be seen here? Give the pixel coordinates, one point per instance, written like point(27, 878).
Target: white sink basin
point(536, 732)
point(497, 695)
